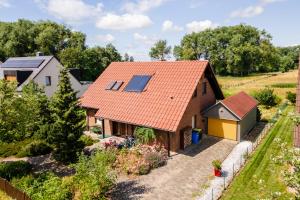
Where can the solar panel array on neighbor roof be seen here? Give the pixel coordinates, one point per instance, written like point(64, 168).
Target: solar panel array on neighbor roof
point(137, 83)
point(12, 63)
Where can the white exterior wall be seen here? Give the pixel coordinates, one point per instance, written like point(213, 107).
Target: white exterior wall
point(52, 69)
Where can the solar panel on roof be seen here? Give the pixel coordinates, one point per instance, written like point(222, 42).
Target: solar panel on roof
point(12, 63)
point(110, 85)
point(137, 83)
point(117, 85)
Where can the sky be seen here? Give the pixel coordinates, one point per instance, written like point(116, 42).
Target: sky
point(133, 26)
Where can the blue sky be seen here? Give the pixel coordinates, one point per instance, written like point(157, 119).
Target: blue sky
point(134, 25)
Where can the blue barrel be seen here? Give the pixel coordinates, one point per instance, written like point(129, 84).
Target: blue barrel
point(195, 137)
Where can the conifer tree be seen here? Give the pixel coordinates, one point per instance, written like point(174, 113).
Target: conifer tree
point(68, 121)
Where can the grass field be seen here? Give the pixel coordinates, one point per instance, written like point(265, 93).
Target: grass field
point(261, 178)
point(277, 81)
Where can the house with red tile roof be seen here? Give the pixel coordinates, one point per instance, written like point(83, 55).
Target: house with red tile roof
point(233, 117)
point(168, 96)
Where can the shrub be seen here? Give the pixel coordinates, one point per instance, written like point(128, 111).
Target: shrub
point(35, 148)
point(13, 148)
point(144, 169)
point(258, 115)
point(94, 177)
point(87, 140)
point(155, 159)
point(284, 85)
point(144, 135)
point(217, 164)
point(44, 186)
point(10, 170)
point(266, 97)
point(96, 129)
point(291, 96)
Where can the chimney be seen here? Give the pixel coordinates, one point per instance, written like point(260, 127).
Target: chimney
point(39, 53)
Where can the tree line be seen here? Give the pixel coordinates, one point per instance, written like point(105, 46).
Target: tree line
point(25, 38)
point(231, 50)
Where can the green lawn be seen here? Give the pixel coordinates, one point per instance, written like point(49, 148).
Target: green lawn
point(261, 178)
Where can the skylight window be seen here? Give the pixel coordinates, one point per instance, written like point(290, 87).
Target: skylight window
point(117, 85)
point(110, 85)
point(137, 83)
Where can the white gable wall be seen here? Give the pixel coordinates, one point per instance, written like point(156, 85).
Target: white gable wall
point(52, 69)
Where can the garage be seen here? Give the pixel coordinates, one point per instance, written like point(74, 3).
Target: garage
point(233, 117)
point(222, 128)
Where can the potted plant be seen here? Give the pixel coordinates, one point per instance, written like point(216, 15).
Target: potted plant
point(96, 130)
point(217, 167)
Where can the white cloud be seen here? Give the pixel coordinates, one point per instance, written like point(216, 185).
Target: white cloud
point(4, 4)
point(71, 10)
point(253, 10)
point(198, 26)
point(123, 22)
point(142, 6)
point(149, 41)
point(169, 26)
point(108, 38)
point(250, 11)
point(264, 2)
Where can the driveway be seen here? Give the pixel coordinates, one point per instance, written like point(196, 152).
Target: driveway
point(182, 178)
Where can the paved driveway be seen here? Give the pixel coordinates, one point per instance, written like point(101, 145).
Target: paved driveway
point(181, 178)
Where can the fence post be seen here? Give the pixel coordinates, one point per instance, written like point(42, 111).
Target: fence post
point(224, 184)
point(232, 169)
point(212, 193)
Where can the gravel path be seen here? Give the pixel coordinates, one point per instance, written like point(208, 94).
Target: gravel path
point(181, 178)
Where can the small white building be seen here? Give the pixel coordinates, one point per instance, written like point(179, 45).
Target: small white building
point(43, 70)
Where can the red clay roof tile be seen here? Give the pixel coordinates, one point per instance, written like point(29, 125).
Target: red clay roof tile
point(240, 104)
point(160, 106)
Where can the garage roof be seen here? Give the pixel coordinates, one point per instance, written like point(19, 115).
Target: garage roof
point(240, 104)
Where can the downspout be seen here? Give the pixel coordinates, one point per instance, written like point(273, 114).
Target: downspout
point(169, 145)
point(103, 129)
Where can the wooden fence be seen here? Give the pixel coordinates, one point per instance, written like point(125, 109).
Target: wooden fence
point(12, 191)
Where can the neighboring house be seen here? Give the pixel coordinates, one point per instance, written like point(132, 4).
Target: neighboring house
point(166, 96)
point(44, 70)
point(233, 117)
point(297, 128)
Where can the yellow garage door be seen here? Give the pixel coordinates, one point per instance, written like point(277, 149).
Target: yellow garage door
point(222, 128)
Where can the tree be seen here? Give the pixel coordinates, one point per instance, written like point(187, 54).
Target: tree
point(68, 121)
point(126, 57)
point(160, 50)
point(9, 114)
point(35, 109)
point(235, 50)
point(131, 59)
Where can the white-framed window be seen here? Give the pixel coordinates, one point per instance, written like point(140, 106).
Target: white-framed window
point(48, 80)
